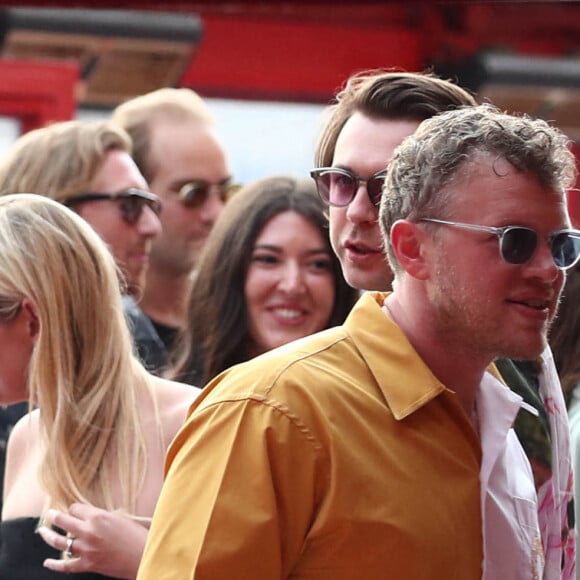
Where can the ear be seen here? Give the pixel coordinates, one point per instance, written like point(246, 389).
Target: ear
point(31, 318)
point(408, 240)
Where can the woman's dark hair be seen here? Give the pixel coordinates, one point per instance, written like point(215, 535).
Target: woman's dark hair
point(216, 335)
point(565, 334)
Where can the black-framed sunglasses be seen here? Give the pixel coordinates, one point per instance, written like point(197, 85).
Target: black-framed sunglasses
point(195, 193)
point(517, 244)
point(338, 187)
point(131, 202)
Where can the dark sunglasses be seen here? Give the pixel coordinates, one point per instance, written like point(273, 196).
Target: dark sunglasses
point(338, 186)
point(517, 244)
point(195, 193)
point(131, 202)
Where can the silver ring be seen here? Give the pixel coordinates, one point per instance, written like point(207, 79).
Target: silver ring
point(67, 554)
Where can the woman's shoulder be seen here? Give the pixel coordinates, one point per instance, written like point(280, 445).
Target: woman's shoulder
point(26, 429)
point(22, 494)
point(173, 401)
point(172, 392)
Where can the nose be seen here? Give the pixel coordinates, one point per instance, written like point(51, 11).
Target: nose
point(212, 207)
point(361, 209)
point(542, 265)
point(149, 225)
point(292, 279)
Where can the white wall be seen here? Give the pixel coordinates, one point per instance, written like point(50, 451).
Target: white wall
point(262, 138)
point(9, 131)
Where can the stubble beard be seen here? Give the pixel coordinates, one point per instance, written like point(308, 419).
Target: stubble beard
point(466, 322)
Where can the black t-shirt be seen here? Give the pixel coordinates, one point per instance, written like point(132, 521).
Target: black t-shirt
point(167, 334)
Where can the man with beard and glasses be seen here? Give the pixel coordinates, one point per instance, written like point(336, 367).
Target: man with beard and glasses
point(372, 114)
point(383, 447)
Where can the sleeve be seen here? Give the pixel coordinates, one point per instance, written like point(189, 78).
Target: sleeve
point(239, 497)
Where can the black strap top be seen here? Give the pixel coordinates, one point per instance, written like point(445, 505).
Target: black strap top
point(22, 552)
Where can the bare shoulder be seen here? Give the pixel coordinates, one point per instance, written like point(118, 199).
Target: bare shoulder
point(170, 393)
point(23, 441)
point(173, 402)
point(22, 450)
point(24, 432)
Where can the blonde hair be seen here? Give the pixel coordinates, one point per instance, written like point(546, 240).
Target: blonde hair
point(82, 374)
point(137, 116)
point(61, 160)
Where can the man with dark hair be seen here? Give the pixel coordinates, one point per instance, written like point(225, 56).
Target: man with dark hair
point(373, 113)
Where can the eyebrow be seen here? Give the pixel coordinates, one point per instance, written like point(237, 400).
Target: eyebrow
point(345, 167)
point(350, 170)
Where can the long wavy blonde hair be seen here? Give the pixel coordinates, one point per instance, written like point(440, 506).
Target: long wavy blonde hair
point(83, 375)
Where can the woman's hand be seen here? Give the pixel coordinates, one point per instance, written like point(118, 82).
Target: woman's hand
point(96, 541)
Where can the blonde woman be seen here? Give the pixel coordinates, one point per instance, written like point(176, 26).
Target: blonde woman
point(87, 166)
point(88, 462)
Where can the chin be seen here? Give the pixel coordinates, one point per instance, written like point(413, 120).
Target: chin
point(528, 351)
point(370, 281)
point(357, 279)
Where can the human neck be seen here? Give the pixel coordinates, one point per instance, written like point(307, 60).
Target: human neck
point(165, 298)
point(453, 365)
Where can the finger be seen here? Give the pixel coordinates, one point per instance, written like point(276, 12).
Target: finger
point(66, 566)
point(60, 542)
point(55, 565)
point(52, 538)
point(64, 521)
point(82, 511)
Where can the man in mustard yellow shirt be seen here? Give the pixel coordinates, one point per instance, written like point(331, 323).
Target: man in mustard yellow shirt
point(371, 115)
point(356, 453)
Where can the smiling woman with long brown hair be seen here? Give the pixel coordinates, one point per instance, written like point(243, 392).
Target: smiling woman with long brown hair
point(267, 276)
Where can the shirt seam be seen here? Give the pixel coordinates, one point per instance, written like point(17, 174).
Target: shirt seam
point(277, 406)
point(300, 357)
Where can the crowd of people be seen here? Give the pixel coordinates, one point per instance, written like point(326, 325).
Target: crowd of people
point(344, 375)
